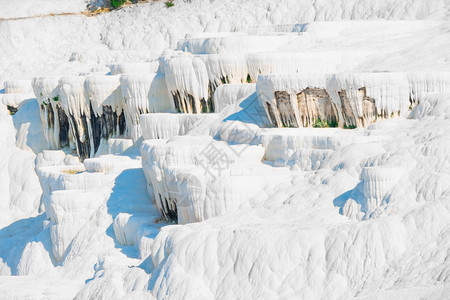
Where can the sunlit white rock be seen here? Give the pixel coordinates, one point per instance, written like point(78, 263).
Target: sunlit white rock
point(377, 182)
point(134, 68)
point(143, 93)
point(164, 125)
point(228, 94)
point(68, 210)
point(17, 86)
point(125, 226)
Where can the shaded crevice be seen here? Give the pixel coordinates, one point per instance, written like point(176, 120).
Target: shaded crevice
point(103, 126)
point(211, 104)
point(212, 86)
point(122, 124)
point(50, 115)
point(83, 145)
point(191, 102)
point(63, 127)
point(177, 101)
point(187, 103)
point(171, 215)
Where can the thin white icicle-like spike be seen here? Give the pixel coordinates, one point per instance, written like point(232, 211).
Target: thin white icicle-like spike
point(104, 91)
point(17, 87)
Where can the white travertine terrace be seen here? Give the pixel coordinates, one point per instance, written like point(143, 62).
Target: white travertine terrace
point(228, 94)
point(187, 82)
point(182, 186)
point(344, 99)
point(185, 189)
point(68, 211)
point(16, 92)
point(167, 125)
point(134, 68)
point(236, 43)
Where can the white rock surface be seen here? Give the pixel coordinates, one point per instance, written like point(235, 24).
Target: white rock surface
point(263, 213)
point(165, 126)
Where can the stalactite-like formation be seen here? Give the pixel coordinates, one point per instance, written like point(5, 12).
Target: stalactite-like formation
point(347, 100)
point(82, 111)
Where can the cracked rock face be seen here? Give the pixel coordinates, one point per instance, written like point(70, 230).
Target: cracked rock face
point(347, 109)
point(314, 104)
point(347, 100)
point(369, 108)
point(285, 109)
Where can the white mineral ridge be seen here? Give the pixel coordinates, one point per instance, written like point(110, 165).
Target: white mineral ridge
point(228, 94)
point(21, 190)
point(261, 212)
point(167, 125)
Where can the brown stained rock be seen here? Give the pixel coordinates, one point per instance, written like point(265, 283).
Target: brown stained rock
point(369, 109)
point(272, 116)
point(180, 105)
point(316, 109)
point(285, 109)
point(349, 118)
point(186, 104)
point(314, 104)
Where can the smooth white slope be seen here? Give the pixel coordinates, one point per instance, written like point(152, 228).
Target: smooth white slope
point(19, 184)
point(332, 226)
point(33, 8)
point(300, 244)
point(127, 35)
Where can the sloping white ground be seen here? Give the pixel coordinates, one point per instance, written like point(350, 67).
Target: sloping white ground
point(73, 44)
point(19, 184)
point(301, 212)
point(329, 213)
point(33, 8)
point(308, 234)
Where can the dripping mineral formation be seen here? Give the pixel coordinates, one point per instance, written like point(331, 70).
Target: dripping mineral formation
point(256, 149)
